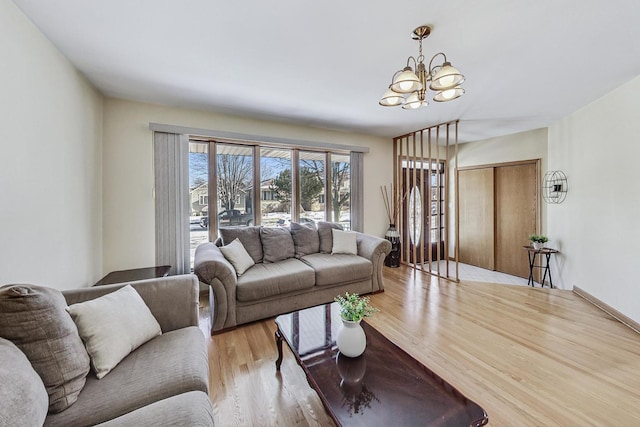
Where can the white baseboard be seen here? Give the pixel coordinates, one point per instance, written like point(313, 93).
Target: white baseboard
point(608, 309)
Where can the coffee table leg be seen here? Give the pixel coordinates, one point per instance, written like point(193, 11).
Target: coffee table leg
point(279, 344)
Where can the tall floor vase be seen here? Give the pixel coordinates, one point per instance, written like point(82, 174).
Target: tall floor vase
point(393, 258)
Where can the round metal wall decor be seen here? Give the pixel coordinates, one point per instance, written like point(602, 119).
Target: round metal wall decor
point(554, 187)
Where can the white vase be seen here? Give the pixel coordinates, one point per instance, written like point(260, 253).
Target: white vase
point(538, 245)
point(351, 339)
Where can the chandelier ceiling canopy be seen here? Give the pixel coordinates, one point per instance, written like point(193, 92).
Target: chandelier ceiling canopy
point(409, 86)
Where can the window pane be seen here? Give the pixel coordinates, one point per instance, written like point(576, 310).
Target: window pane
point(340, 190)
point(234, 167)
point(198, 194)
point(312, 172)
point(275, 187)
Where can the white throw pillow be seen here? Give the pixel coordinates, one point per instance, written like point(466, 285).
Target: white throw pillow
point(238, 256)
point(112, 326)
point(344, 242)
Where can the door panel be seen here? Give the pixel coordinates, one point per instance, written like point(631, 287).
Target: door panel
point(476, 217)
point(423, 215)
point(516, 200)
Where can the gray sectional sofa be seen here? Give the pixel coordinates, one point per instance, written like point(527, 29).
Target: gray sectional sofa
point(294, 268)
point(163, 382)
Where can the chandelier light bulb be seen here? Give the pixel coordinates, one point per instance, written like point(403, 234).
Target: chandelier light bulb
point(413, 102)
point(406, 82)
point(404, 86)
point(446, 80)
point(447, 77)
point(449, 94)
point(391, 99)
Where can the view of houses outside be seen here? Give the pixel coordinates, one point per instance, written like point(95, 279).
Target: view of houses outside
point(234, 204)
point(198, 194)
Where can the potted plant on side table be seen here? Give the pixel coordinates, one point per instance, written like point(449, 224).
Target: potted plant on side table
point(351, 339)
point(538, 241)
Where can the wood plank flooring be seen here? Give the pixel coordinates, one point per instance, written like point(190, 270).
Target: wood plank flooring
point(529, 357)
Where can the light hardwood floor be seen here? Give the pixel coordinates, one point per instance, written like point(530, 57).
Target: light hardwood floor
point(528, 356)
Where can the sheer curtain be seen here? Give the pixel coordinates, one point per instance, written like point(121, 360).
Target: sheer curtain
point(171, 170)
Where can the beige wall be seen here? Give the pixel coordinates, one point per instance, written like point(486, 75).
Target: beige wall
point(128, 174)
point(596, 227)
point(50, 162)
point(518, 146)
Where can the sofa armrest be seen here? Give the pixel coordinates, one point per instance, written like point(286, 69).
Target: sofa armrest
point(213, 269)
point(173, 300)
point(375, 249)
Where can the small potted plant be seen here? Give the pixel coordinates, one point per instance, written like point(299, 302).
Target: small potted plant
point(354, 308)
point(351, 339)
point(538, 241)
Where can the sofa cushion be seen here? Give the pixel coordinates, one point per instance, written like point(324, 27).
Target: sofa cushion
point(249, 236)
point(35, 320)
point(238, 256)
point(23, 398)
point(344, 242)
point(191, 409)
point(173, 363)
point(112, 326)
point(339, 268)
point(326, 236)
point(277, 244)
point(305, 239)
point(265, 280)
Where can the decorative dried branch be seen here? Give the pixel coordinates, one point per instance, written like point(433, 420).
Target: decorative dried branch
point(392, 201)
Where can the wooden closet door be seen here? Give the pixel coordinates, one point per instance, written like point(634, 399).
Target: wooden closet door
point(476, 225)
point(516, 204)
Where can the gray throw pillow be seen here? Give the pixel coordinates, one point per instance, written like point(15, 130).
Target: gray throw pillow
point(238, 256)
point(248, 236)
point(277, 244)
point(23, 398)
point(305, 239)
point(326, 238)
point(35, 320)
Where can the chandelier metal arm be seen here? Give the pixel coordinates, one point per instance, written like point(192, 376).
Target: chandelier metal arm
point(393, 78)
point(415, 62)
point(432, 69)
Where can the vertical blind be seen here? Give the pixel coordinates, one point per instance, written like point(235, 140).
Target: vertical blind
point(171, 170)
point(357, 191)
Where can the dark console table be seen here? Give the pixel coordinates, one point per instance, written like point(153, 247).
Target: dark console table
point(545, 255)
point(132, 275)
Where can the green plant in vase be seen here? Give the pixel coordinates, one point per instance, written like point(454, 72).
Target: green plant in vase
point(354, 307)
point(351, 339)
point(538, 240)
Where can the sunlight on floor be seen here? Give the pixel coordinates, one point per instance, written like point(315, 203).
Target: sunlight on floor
point(477, 274)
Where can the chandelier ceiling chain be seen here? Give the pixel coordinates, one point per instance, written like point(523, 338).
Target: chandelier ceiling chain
point(408, 87)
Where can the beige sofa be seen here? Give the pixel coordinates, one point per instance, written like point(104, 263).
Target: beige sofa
point(163, 382)
point(290, 273)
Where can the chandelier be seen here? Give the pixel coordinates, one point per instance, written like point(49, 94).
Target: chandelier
point(408, 87)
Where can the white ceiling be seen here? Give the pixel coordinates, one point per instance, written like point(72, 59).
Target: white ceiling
point(326, 63)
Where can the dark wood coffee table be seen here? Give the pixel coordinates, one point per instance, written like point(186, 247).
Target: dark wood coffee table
point(383, 387)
